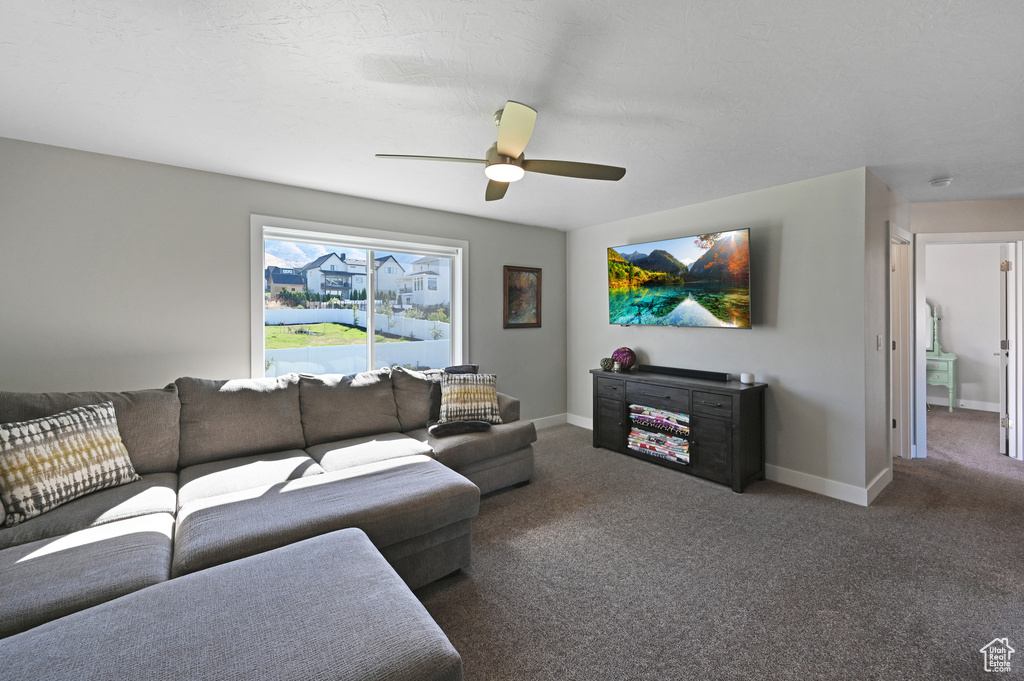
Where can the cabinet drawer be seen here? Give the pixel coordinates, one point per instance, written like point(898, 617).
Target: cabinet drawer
point(713, 404)
point(652, 395)
point(609, 387)
point(938, 378)
point(938, 365)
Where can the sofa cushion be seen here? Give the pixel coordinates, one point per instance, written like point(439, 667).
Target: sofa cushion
point(336, 456)
point(47, 579)
point(327, 608)
point(146, 419)
point(458, 451)
point(469, 397)
point(391, 501)
point(338, 407)
point(232, 475)
point(225, 419)
point(155, 493)
point(49, 461)
point(417, 396)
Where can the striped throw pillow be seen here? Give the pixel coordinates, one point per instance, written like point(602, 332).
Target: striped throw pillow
point(49, 461)
point(469, 397)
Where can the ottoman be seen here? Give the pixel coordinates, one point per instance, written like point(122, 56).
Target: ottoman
point(329, 607)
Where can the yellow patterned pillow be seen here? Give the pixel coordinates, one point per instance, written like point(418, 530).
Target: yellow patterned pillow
point(469, 397)
point(50, 461)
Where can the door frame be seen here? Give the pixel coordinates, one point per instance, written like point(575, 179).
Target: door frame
point(1009, 366)
point(921, 241)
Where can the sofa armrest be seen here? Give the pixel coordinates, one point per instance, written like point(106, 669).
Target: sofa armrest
point(508, 407)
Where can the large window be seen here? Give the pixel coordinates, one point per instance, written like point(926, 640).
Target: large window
point(375, 314)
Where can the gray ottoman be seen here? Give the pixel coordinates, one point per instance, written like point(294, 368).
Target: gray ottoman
point(325, 608)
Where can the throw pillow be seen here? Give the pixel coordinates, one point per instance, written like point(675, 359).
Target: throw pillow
point(462, 369)
point(458, 428)
point(469, 397)
point(49, 461)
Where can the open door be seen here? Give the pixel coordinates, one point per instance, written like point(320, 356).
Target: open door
point(901, 365)
point(1009, 407)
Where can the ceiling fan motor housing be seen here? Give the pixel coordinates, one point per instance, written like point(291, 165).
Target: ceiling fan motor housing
point(502, 168)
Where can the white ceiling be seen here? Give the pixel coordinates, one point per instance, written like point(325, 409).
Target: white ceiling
point(697, 99)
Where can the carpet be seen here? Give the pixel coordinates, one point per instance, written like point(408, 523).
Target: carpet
point(971, 438)
point(609, 567)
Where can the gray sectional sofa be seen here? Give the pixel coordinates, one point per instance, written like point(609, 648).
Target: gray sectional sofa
point(247, 472)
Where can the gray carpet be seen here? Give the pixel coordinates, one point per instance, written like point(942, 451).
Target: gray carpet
point(607, 567)
point(971, 438)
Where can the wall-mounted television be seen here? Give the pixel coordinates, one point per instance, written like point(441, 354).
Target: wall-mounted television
point(699, 280)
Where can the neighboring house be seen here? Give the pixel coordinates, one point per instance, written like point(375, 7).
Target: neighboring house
point(284, 279)
point(356, 266)
point(329, 275)
point(338, 275)
point(389, 273)
point(426, 283)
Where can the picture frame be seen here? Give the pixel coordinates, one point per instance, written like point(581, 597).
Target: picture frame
point(522, 297)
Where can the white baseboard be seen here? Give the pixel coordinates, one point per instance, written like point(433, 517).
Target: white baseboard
point(549, 421)
point(878, 484)
point(830, 488)
point(580, 421)
point(965, 404)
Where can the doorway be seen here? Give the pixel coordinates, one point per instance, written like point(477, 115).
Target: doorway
point(974, 292)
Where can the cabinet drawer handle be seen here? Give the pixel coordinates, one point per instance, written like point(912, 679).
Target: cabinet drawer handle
point(610, 387)
point(711, 404)
point(664, 397)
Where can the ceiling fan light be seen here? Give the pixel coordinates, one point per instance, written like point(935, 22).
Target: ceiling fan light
point(504, 172)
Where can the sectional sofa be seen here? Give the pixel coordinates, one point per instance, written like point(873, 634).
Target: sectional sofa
point(261, 475)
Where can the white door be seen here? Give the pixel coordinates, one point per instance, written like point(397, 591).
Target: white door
point(901, 356)
point(1009, 412)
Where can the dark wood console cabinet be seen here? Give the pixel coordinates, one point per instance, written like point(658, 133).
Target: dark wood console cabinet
point(726, 439)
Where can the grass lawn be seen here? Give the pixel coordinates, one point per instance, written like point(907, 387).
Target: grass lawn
point(282, 337)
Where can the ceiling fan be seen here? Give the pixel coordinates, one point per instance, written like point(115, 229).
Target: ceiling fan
point(504, 162)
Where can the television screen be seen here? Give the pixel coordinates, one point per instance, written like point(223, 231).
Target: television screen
point(700, 280)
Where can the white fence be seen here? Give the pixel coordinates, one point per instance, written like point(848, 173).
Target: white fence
point(420, 329)
point(351, 359)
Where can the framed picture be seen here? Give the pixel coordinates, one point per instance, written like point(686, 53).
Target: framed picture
point(522, 297)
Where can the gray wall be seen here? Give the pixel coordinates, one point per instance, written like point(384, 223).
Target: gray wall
point(120, 274)
point(963, 280)
point(810, 330)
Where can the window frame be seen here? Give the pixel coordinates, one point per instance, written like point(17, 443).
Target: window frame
point(263, 227)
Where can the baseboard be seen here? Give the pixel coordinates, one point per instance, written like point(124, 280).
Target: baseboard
point(580, 421)
point(812, 483)
point(965, 404)
point(549, 421)
point(879, 483)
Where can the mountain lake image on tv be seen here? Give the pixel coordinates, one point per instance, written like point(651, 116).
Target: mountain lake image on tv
point(700, 280)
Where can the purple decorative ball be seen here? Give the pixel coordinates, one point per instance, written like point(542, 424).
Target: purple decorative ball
point(625, 357)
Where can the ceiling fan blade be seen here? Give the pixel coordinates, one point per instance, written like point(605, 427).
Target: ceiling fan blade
point(496, 190)
point(451, 159)
point(588, 171)
point(515, 128)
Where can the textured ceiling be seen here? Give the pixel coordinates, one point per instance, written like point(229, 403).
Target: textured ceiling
point(697, 99)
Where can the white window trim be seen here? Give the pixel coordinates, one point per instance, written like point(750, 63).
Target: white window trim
point(267, 227)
